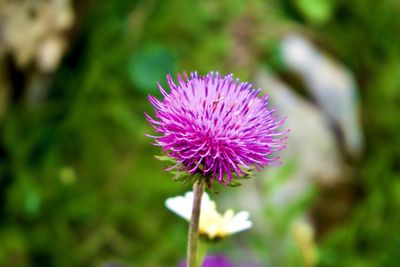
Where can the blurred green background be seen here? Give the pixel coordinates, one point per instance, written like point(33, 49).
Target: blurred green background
point(79, 184)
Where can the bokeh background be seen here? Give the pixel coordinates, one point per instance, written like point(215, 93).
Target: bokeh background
point(79, 184)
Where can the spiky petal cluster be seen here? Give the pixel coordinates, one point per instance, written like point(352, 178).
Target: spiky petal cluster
point(216, 125)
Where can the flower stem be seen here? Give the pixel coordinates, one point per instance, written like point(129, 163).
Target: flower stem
point(193, 238)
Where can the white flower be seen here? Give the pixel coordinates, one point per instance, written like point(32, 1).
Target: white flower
point(212, 223)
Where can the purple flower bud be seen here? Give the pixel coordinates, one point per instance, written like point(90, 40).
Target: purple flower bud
point(221, 261)
point(213, 261)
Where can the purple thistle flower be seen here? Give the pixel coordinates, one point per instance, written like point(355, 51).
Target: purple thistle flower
point(216, 126)
point(221, 261)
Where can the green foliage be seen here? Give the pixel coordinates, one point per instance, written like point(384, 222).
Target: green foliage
point(149, 65)
point(315, 11)
point(370, 238)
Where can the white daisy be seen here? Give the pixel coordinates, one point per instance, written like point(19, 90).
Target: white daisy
point(212, 223)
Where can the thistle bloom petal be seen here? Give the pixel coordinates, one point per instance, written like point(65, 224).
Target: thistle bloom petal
point(216, 126)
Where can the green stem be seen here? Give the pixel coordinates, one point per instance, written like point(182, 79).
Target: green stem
point(193, 238)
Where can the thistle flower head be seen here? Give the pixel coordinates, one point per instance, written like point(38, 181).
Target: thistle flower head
point(216, 126)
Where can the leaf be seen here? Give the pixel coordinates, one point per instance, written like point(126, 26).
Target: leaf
point(316, 11)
